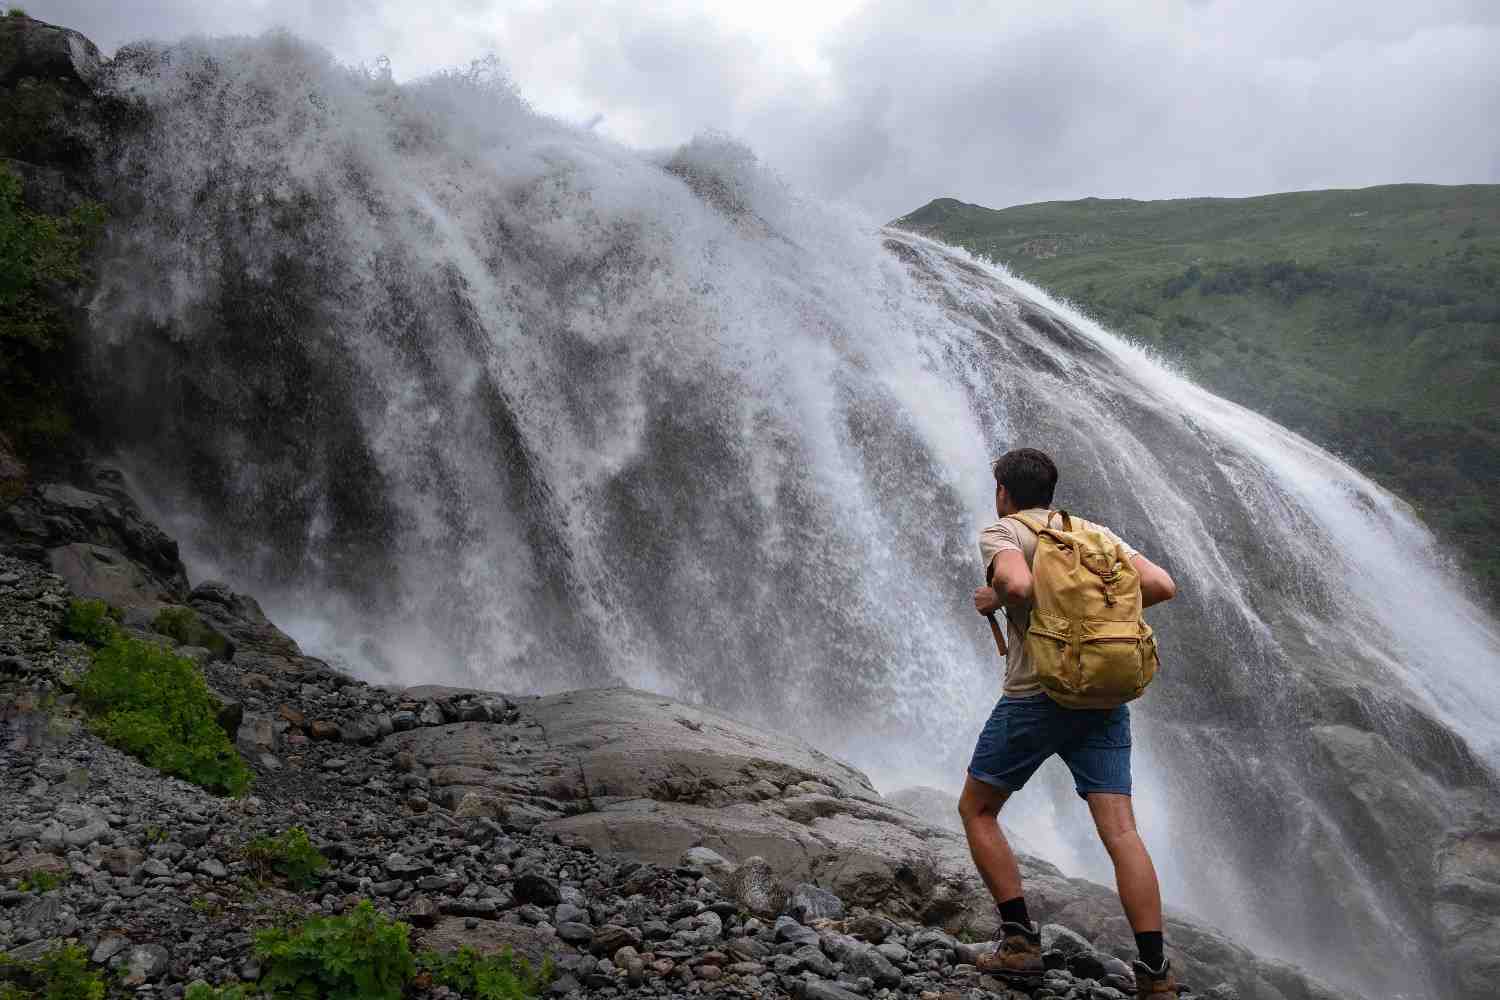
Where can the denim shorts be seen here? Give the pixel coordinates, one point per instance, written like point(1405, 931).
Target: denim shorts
point(1023, 732)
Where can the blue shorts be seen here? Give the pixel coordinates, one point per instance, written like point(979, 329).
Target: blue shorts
point(1023, 732)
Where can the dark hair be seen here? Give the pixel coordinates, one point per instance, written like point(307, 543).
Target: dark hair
point(1028, 476)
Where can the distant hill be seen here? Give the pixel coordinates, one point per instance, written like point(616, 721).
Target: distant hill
point(1367, 320)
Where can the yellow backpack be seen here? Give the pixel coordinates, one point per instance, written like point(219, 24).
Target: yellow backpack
point(1086, 638)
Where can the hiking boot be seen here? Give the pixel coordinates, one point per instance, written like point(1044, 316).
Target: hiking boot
point(1154, 984)
point(1018, 956)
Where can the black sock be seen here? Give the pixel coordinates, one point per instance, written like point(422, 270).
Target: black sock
point(1149, 944)
point(1014, 911)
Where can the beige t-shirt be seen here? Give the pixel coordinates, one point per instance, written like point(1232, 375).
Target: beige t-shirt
point(1009, 534)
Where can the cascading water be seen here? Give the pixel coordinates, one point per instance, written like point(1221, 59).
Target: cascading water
point(473, 396)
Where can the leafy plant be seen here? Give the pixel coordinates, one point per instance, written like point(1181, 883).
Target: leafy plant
point(41, 880)
point(290, 855)
point(154, 704)
point(501, 976)
point(15, 12)
point(203, 991)
point(184, 625)
point(61, 974)
point(93, 622)
point(361, 955)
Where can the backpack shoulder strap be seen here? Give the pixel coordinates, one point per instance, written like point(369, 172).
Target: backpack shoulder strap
point(1037, 529)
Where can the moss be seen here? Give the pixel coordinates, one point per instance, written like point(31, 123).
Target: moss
point(184, 625)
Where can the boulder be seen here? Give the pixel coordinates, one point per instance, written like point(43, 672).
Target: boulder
point(103, 573)
point(12, 472)
point(32, 48)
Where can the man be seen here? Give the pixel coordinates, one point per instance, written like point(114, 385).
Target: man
point(1027, 727)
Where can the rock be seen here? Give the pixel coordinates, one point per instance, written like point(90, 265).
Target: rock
point(13, 472)
point(86, 835)
point(866, 961)
point(362, 732)
point(106, 574)
point(532, 887)
point(809, 902)
point(811, 958)
point(612, 937)
point(141, 964)
point(31, 48)
point(421, 912)
point(1056, 937)
point(707, 860)
point(107, 948)
point(575, 932)
point(788, 929)
point(322, 729)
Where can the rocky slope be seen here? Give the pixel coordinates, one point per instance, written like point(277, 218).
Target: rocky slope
point(651, 847)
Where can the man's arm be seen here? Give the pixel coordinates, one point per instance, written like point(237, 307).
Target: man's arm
point(1156, 584)
point(1010, 583)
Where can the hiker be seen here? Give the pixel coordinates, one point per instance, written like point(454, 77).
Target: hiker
point(1073, 638)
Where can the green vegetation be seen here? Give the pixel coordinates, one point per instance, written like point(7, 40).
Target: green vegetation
point(93, 622)
point(184, 625)
point(15, 12)
point(501, 976)
point(41, 880)
point(203, 991)
point(290, 855)
point(361, 955)
point(41, 256)
point(1367, 320)
point(152, 703)
point(61, 974)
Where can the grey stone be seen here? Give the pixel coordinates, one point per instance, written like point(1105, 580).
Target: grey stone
point(866, 961)
point(809, 902)
point(141, 964)
point(533, 887)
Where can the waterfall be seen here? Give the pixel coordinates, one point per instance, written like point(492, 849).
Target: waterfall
point(468, 395)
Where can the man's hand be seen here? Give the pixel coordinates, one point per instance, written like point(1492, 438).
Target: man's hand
point(986, 601)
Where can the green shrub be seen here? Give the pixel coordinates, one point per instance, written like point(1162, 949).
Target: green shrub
point(203, 991)
point(61, 974)
point(15, 12)
point(290, 855)
point(152, 703)
point(359, 956)
point(502, 976)
point(41, 880)
point(93, 622)
point(184, 625)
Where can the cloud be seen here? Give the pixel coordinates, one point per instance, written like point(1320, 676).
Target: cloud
point(888, 105)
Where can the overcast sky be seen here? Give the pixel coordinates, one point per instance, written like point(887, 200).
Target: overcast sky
point(889, 105)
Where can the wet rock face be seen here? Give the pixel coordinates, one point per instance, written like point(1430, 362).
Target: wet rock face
point(91, 533)
point(35, 49)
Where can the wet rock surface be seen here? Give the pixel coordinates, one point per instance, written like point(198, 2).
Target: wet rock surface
point(649, 847)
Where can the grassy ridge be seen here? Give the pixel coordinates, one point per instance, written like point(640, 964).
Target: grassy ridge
point(1367, 320)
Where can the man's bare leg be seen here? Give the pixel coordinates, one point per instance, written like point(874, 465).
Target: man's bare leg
point(1135, 875)
point(979, 808)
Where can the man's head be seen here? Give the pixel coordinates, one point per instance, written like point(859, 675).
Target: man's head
point(1024, 478)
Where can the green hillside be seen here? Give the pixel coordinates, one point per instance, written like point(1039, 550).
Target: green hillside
point(1367, 320)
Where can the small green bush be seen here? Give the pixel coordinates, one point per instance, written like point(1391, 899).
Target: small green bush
point(184, 625)
point(359, 956)
point(41, 880)
point(152, 703)
point(61, 974)
point(93, 622)
point(203, 991)
point(15, 12)
point(290, 855)
point(502, 976)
